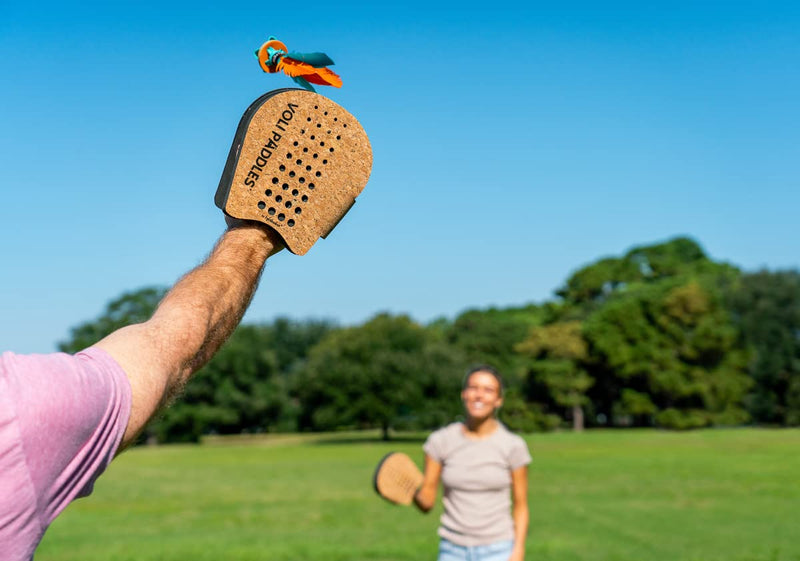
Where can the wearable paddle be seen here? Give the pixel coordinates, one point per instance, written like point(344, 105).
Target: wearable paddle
point(397, 478)
point(298, 160)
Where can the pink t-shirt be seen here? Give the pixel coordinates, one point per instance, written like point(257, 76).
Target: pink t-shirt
point(62, 419)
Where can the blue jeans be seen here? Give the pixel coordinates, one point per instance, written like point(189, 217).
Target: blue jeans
point(498, 551)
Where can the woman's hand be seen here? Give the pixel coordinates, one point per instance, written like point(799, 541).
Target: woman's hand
point(425, 497)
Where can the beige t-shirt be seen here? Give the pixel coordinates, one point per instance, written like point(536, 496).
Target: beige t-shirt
point(476, 476)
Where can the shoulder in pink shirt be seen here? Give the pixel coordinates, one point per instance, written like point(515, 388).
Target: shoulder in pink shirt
point(62, 419)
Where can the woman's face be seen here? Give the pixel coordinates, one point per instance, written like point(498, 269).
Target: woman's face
point(481, 395)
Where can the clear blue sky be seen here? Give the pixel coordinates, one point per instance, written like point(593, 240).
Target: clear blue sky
point(512, 145)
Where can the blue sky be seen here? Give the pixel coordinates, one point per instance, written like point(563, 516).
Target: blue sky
point(511, 146)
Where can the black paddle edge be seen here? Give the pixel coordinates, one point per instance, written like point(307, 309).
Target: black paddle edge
point(224, 188)
point(377, 471)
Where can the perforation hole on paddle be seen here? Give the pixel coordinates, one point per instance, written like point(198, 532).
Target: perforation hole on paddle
point(297, 175)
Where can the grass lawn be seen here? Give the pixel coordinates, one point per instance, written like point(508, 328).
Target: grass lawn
point(642, 495)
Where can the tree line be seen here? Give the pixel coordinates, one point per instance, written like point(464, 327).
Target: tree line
point(660, 336)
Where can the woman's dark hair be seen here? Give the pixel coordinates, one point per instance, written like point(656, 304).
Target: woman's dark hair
point(483, 368)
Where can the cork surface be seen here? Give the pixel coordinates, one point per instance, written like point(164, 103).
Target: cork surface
point(397, 478)
point(297, 165)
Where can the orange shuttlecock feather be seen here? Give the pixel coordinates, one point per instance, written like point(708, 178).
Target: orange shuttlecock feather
point(320, 76)
point(303, 68)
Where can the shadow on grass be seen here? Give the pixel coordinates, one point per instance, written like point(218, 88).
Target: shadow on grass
point(349, 438)
point(328, 439)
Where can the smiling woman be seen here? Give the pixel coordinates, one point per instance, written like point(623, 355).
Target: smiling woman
point(478, 462)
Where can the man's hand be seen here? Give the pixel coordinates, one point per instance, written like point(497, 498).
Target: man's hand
point(274, 238)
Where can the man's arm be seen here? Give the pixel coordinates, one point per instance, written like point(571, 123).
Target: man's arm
point(191, 323)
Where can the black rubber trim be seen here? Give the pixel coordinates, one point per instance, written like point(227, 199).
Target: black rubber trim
point(377, 470)
point(224, 188)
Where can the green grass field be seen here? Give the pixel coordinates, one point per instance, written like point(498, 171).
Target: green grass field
point(731, 495)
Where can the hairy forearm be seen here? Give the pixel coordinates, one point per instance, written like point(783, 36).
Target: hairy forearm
point(205, 306)
point(191, 322)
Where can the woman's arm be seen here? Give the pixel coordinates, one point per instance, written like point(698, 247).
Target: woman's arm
point(425, 498)
point(519, 487)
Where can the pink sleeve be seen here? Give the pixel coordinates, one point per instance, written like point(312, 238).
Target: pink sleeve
point(72, 413)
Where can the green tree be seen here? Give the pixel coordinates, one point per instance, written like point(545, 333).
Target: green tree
point(245, 387)
point(559, 353)
point(672, 345)
point(489, 337)
point(594, 284)
point(389, 370)
point(292, 339)
point(239, 390)
point(766, 306)
point(521, 416)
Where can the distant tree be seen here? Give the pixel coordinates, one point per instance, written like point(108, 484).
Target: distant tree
point(489, 337)
point(239, 390)
point(245, 387)
point(673, 349)
point(292, 339)
point(593, 284)
point(129, 308)
point(522, 416)
point(766, 307)
point(662, 346)
point(559, 354)
point(386, 371)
